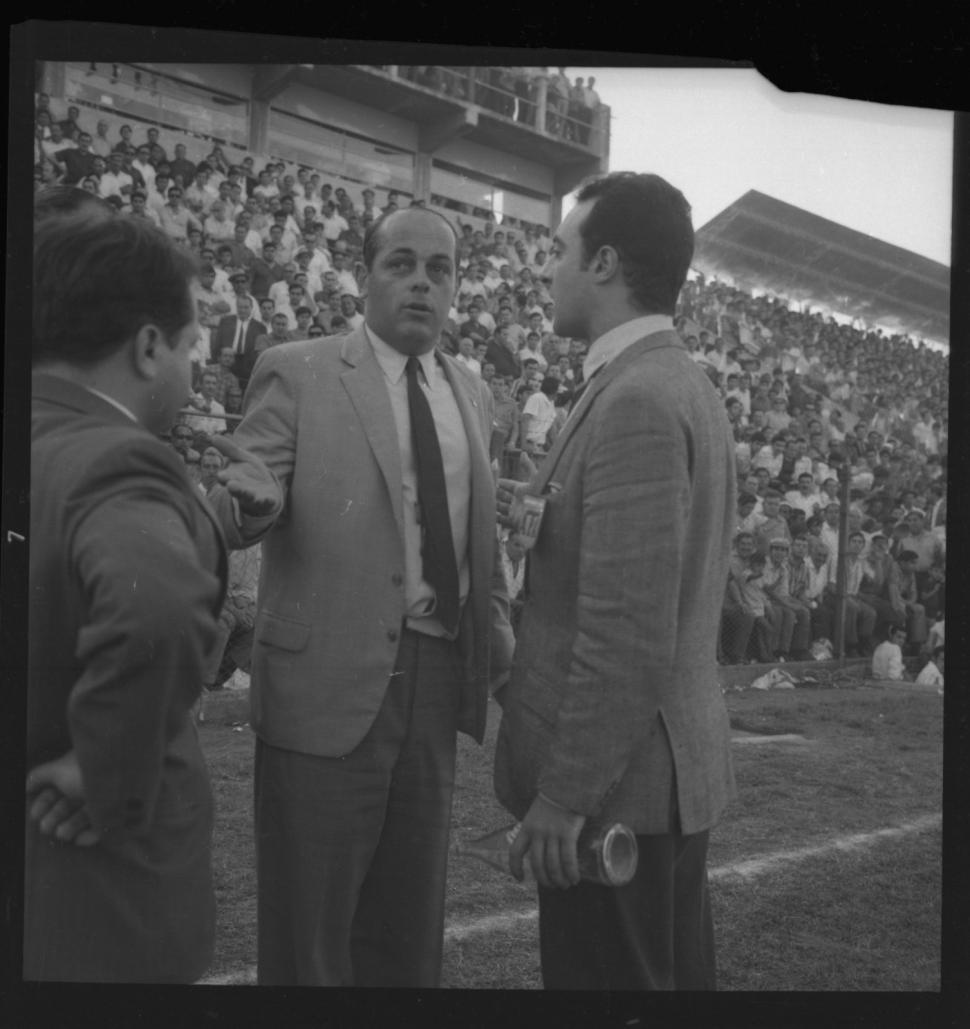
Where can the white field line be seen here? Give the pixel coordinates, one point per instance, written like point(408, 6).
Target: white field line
point(749, 869)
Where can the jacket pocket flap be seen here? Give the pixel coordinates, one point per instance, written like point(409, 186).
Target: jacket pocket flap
point(282, 632)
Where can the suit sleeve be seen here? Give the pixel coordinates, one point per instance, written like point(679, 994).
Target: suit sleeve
point(151, 616)
point(268, 430)
point(636, 492)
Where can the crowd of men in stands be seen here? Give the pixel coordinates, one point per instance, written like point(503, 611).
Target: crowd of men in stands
point(808, 399)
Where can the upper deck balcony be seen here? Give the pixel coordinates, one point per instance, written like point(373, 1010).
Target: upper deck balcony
point(447, 103)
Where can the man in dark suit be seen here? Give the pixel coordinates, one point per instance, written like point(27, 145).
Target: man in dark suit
point(127, 574)
point(240, 332)
point(613, 711)
point(382, 618)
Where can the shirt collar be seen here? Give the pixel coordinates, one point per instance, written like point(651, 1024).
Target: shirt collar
point(111, 400)
point(393, 362)
point(611, 344)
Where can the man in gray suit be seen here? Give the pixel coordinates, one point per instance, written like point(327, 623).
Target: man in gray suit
point(382, 617)
point(613, 711)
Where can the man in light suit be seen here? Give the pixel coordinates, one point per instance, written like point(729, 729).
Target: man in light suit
point(613, 711)
point(240, 332)
point(372, 645)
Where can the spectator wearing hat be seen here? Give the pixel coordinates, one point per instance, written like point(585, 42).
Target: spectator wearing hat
point(239, 281)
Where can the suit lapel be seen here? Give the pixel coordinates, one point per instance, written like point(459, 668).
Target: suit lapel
point(364, 382)
point(603, 378)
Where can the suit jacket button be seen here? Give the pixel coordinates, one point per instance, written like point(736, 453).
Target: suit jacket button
point(392, 635)
point(397, 579)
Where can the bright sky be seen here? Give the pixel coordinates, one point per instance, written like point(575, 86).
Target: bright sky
point(716, 133)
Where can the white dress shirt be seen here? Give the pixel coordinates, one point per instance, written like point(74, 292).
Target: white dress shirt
point(456, 458)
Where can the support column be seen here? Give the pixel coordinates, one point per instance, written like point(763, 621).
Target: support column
point(422, 177)
point(542, 96)
point(259, 127)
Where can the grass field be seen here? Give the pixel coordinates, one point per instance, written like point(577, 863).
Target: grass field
point(825, 872)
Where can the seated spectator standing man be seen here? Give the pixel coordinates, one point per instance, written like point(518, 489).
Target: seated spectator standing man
point(373, 632)
point(127, 574)
point(613, 711)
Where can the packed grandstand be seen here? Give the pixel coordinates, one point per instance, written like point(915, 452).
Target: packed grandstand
point(825, 414)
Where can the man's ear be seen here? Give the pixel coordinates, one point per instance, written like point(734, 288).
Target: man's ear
point(145, 350)
point(605, 263)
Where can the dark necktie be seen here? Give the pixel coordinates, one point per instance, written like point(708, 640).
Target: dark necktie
point(437, 551)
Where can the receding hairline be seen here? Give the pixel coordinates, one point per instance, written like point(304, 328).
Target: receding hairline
point(377, 230)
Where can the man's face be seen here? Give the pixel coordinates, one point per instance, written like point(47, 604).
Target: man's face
point(805, 484)
point(209, 385)
point(914, 522)
point(347, 306)
point(856, 543)
point(210, 465)
point(227, 357)
point(411, 284)
point(266, 308)
point(770, 506)
point(799, 549)
point(832, 515)
point(279, 325)
point(745, 547)
point(570, 285)
point(244, 308)
point(182, 437)
point(778, 554)
point(466, 347)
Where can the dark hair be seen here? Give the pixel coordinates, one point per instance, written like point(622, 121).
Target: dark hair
point(372, 240)
point(97, 281)
point(648, 223)
point(907, 555)
point(58, 200)
point(550, 385)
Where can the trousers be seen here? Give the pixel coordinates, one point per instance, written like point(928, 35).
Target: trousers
point(655, 933)
point(351, 851)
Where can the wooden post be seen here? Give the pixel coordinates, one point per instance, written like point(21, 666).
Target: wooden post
point(841, 570)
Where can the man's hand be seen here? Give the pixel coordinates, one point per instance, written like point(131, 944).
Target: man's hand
point(247, 478)
point(58, 801)
point(548, 836)
point(505, 494)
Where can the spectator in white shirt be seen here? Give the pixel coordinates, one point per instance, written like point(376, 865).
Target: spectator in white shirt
point(333, 222)
point(466, 355)
point(116, 181)
point(887, 658)
point(345, 277)
point(538, 415)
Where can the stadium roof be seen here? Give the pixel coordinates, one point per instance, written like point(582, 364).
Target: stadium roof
point(763, 243)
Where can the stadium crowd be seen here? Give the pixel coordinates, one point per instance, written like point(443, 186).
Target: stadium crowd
point(808, 399)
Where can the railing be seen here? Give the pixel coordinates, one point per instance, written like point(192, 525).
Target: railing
point(511, 96)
